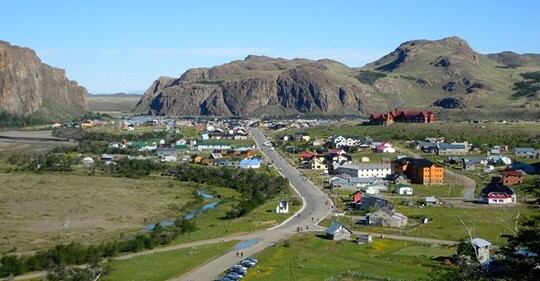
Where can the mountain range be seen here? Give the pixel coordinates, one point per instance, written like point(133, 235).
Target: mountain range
point(445, 73)
point(418, 74)
point(29, 87)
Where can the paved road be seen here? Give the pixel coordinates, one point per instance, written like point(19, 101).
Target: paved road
point(316, 206)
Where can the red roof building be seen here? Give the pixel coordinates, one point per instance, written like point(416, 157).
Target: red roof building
point(410, 116)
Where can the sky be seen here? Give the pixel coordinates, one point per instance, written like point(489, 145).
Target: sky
point(122, 46)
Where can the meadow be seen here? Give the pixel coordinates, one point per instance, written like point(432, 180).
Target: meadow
point(164, 265)
point(307, 257)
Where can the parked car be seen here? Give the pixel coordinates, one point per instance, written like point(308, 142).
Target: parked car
point(247, 263)
point(233, 276)
point(252, 259)
point(238, 271)
point(239, 266)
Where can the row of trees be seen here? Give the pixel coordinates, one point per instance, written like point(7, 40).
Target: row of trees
point(255, 186)
point(77, 254)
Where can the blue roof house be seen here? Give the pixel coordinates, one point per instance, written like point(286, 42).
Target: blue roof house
point(252, 163)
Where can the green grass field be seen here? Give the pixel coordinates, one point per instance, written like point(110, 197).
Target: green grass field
point(308, 257)
point(212, 223)
point(484, 221)
point(164, 265)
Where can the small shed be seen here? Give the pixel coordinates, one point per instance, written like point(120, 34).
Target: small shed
point(365, 239)
point(337, 231)
point(282, 207)
point(481, 247)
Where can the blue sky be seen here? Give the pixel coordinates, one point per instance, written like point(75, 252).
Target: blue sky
point(111, 46)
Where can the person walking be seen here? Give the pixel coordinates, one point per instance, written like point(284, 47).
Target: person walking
point(242, 254)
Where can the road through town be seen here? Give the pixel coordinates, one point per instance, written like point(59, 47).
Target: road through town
point(316, 206)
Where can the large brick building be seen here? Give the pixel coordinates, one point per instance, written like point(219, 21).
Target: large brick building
point(511, 177)
point(420, 171)
point(387, 118)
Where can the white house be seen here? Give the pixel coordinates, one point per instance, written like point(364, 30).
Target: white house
point(282, 207)
point(365, 170)
point(404, 190)
point(318, 163)
point(88, 162)
point(376, 188)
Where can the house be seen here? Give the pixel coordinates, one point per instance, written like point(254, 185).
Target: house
point(451, 149)
point(349, 182)
point(88, 162)
point(163, 152)
point(169, 158)
point(420, 171)
point(207, 162)
point(252, 163)
point(356, 197)
point(86, 124)
point(386, 217)
point(198, 159)
point(511, 177)
point(282, 207)
point(481, 248)
point(431, 201)
point(499, 160)
point(404, 189)
point(365, 170)
point(307, 155)
point(397, 178)
point(385, 147)
point(379, 118)
point(368, 201)
point(337, 231)
point(528, 152)
point(365, 239)
point(211, 145)
point(215, 156)
point(318, 163)
point(225, 163)
point(106, 157)
point(376, 188)
point(488, 169)
point(496, 193)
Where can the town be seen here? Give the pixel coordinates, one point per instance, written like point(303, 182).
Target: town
point(433, 189)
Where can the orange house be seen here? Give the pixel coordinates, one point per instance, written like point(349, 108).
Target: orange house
point(420, 171)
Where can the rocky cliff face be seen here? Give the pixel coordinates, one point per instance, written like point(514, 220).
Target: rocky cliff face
point(445, 73)
point(255, 84)
point(28, 86)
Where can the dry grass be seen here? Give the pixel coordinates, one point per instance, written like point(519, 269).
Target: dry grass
point(35, 207)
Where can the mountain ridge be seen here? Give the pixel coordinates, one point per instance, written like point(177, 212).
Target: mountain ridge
point(28, 86)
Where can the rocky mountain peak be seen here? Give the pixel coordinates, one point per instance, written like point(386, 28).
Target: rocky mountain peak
point(28, 86)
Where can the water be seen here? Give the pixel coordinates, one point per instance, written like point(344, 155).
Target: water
point(190, 215)
point(205, 195)
point(246, 244)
